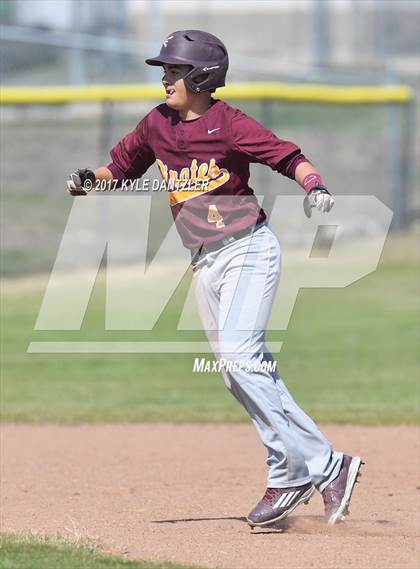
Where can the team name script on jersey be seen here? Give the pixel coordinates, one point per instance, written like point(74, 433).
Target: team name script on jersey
point(192, 181)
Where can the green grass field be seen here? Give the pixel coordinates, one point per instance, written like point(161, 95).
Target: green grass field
point(36, 552)
point(349, 355)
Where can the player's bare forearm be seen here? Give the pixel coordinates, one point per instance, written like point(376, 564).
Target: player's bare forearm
point(302, 170)
point(103, 173)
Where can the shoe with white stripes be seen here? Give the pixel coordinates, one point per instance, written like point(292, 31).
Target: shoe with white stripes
point(337, 494)
point(277, 503)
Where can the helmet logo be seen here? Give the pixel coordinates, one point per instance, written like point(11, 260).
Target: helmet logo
point(210, 68)
point(165, 43)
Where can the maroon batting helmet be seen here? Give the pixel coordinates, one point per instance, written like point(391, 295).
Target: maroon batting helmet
point(205, 53)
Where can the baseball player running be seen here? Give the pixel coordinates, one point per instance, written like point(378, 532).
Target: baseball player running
point(203, 148)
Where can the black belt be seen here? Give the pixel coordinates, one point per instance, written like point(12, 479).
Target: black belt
point(216, 245)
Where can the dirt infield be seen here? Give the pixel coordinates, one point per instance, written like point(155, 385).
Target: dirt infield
point(180, 493)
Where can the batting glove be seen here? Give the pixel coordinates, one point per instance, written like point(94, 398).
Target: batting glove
point(320, 198)
point(81, 182)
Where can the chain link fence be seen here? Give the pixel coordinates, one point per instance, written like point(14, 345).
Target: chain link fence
point(354, 146)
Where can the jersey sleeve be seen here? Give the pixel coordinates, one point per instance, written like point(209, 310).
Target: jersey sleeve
point(132, 156)
point(288, 166)
point(252, 139)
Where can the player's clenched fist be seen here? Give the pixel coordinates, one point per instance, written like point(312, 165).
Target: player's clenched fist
point(320, 198)
point(80, 182)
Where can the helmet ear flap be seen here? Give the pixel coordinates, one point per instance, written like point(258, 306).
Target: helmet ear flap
point(201, 78)
point(198, 80)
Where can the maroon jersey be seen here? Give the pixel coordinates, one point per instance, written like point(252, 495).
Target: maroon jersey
point(205, 163)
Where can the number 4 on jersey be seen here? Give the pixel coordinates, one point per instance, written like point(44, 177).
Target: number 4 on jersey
point(215, 217)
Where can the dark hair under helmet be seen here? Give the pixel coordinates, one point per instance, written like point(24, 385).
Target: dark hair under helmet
point(204, 52)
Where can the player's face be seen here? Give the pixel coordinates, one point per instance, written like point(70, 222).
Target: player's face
point(177, 94)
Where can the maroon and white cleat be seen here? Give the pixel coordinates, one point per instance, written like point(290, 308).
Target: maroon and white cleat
point(277, 503)
point(337, 494)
